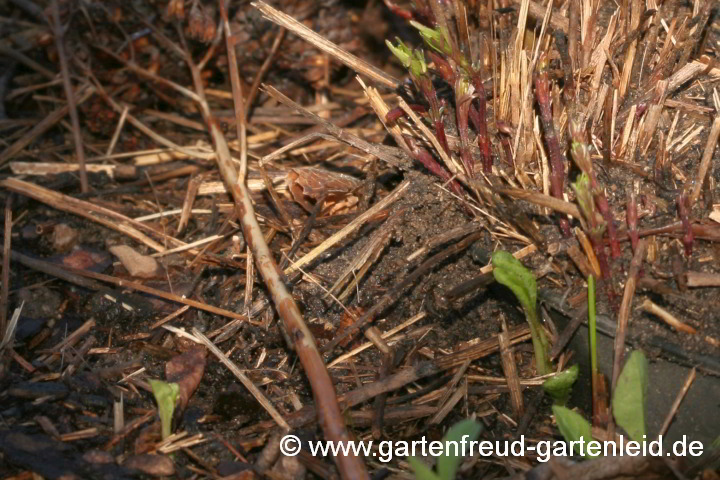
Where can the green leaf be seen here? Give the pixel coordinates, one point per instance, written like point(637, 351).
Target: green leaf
point(573, 427)
point(628, 402)
point(559, 386)
point(401, 51)
point(510, 272)
point(414, 60)
point(422, 471)
point(165, 396)
point(434, 37)
point(448, 464)
point(583, 194)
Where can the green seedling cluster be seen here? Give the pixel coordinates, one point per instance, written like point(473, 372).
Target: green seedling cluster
point(628, 399)
point(449, 54)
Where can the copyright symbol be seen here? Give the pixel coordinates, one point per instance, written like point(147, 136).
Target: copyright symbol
point(290, 445)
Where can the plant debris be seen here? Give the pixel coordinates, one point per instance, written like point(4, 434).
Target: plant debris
point(294, 213)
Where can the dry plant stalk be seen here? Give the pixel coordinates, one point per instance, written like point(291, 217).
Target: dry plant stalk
point(103, 216)
point(58, 32)
point(624, 313)
point(667, 317)
point(705, 161)
point(330, 416)
point(85, 278)
point(4, 293)
point(510, 369)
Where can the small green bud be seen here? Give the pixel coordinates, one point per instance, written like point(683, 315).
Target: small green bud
point(412, 60)
point(402, 52)
point(418, 67)
point(584, 195)
point(434, 37)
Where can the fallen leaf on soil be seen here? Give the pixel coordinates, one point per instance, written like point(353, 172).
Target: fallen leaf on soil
point(186, 370)
point(316, 182)
point(84, 259)
point(137, 265)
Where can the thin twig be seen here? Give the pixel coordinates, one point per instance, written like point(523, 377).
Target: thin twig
point(254, 88)
point(239, 104)
point(6, 264)
point(69, 94)
point(705, 161)
point(86, 279)
point(624, 312)
point(678, 399)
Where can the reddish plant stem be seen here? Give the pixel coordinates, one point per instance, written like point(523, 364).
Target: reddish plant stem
point(397, 112)
point(481, 125)
point(426, 159)
point(505, 133)
point(399, 11)
point(436, 114)
point(581, 153)
point(505, 142)
point(632, 218)
point(561, 43)
point(599, 248)
point(683, 213)
point(426, 87)
point(604, 207)
point(463, 102)
point(443, 68)
point(555, 154)
point(440, 134)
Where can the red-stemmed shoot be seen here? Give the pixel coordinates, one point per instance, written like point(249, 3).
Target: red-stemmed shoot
point(555, 153)
point(580, 150)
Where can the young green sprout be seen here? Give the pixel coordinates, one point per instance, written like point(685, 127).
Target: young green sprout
point(508, 271)
point(580, 150)
point(594, 226)
point(165, 395)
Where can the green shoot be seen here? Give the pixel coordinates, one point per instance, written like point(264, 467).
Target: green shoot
point(165, 396)
point(412, 60)
point(510, 272)
point(436, 38)
point(466, 430)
